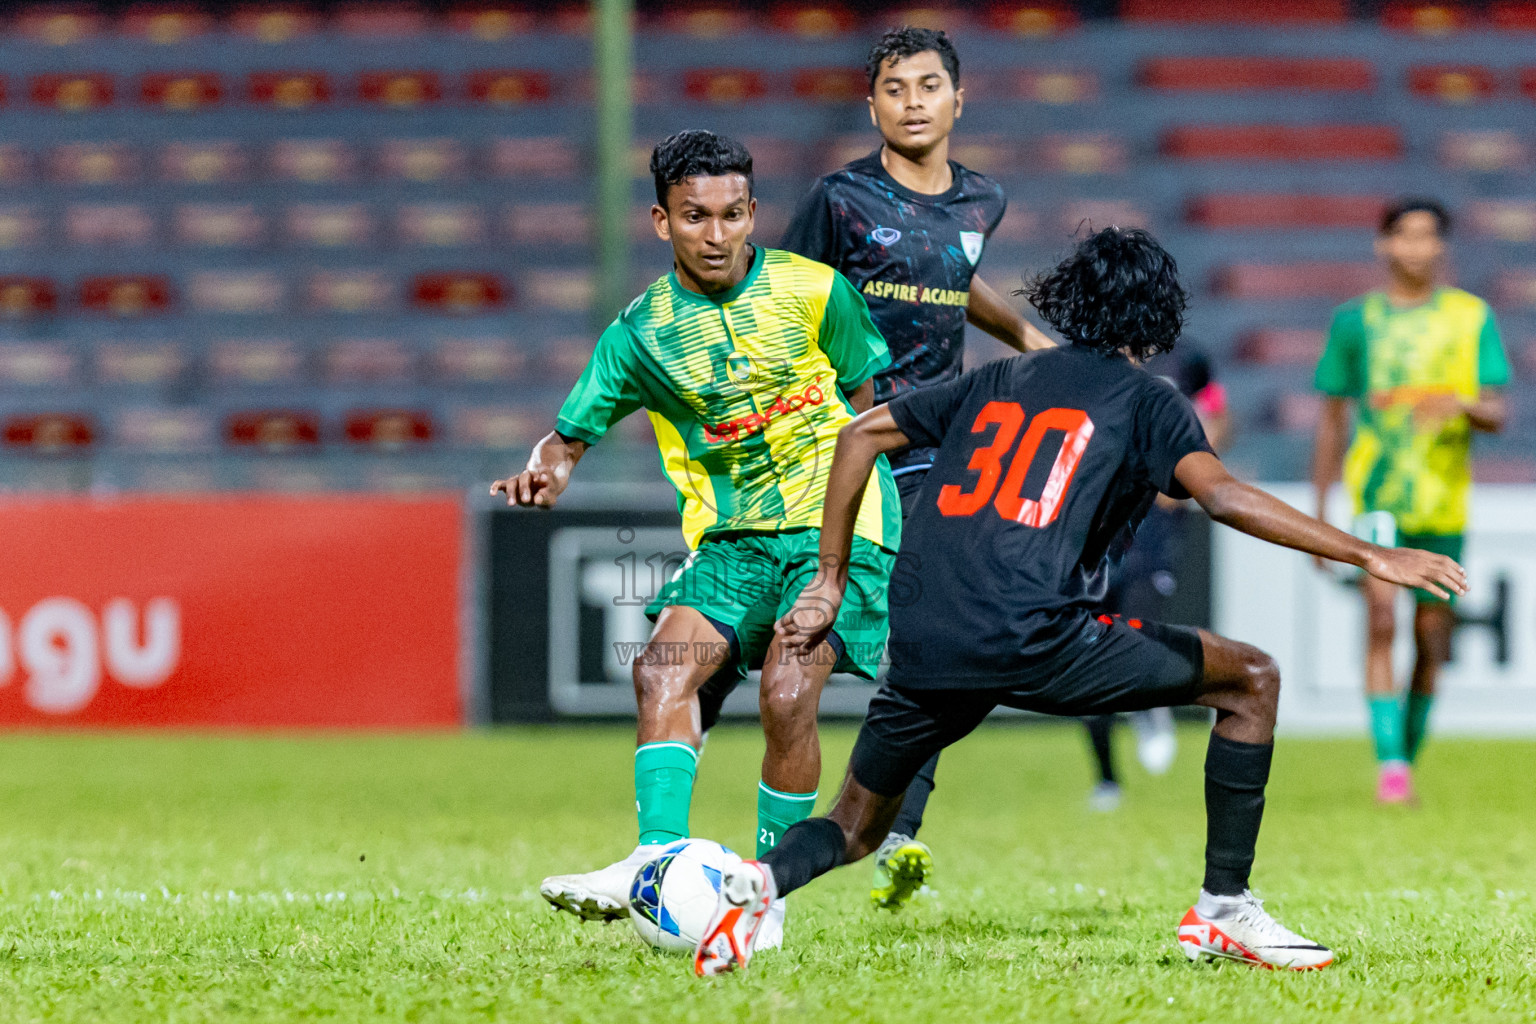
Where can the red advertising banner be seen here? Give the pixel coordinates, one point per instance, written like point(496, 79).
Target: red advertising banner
point(231, 612)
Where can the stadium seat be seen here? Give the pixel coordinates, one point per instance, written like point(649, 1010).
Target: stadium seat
point(1224, 12)
point(441, 224)
point(125, 295)
point(1528, 83)
point(59, 25)
point(475, 361)
point(15, 164)
point(200, 163)
point(350, 291)
point(165, 24)
point(27, 296)
point(181, 92)
point(380, 20)
point(275, 22)
point(1257, 74)
point(1515, 288)
point(562, 359)
point(401, 90)
point(256, 362)
point(540, 157)
point(368, 361)
point(21, 227)
point(813, 20)
point(329, 225)
point(72, 93)
point(1512, 15)
point(988, 154)
point(776, 156)
point(424, 160)
point(273, 430)
point(1284, 143)
point(1081, 153)
point(1276, 210)
point(547, 223)
point(104, 224)
point(829, 85)
point(156, 430)
point(221, 225)
point(93, 163)
point(289, 90)
point(1448, 83)
point(568, 291)
point(236, 291)
point(946, 17)
point(140, 363)
point(723, 86)
point(1508, 220)
point(1094, 214)
point(1054, 86)
point(389, 428)
point(1503, 469)
point(313, 161)
point(491, 23)
point(509, 88)
point(1019, 224)
point(1279, 346)
point(1327, 280)
point(1486, 151)
point(497, 427)
point(1294, 412)
point(1427, 19)
point(1030, 20)
point(38, 364)
point(49, 433)
point(459, 293)
point(704, 20)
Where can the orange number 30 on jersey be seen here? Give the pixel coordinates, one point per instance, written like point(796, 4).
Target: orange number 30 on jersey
point(987, 461)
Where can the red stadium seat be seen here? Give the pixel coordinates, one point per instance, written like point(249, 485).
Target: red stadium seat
point(492, 22)
point(1297, 280)
point(1284, 143)
point(1030, 20)
point(273, 430)
point(509, 88)
point(1258, 74)
point(460, 293)
point(830, 85)
point(1528, 82)
point(193, 91)
point(724, 86)
point(140, 364)
point(1427, 19)
point(60, 24)
point(1274, 210)
point(1508, 220)
point(5, 93)
point(219, 225)
point(1512, 15)
point(236, 291)
point(381, 20)
point(108, 224)
point(289, 90)
point(21, 227)
point(1081, 153)
point(1487, 151)
point(350, 291)
point(49, 433)
point(470, 361)
point(947, 17)
point(441, 224)
point(165, 24)
point(1281, 346)
point(423, 160)
point(256, 362)
point(1224, 12)
point(813, 20)
point(38, 364)
point(400, 89)
point(163, 430)
point(275, 22)
point(73, 92)
point(1452, 83)
point(389, 428)
point(369, 361)
point(704, 20)
point(568, 291)
point(329, 225)
point(126, 295)
point(27, 296)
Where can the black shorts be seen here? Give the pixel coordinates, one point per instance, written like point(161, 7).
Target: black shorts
point(909, 486)
point(1121, 668)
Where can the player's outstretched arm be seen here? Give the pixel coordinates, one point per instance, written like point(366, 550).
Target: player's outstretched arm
point(859, 444)
point(995, 315)
point(547, 474)
point(1243, 507)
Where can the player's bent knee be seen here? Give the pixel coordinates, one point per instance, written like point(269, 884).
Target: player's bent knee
point(1261, 677)
point(787, 707)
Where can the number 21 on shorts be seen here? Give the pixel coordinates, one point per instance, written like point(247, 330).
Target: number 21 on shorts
point(1010, 503)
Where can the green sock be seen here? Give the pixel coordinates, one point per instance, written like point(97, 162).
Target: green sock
point(777, 811)
point(1387, 727)
point(663, 789)
point(1417, 715)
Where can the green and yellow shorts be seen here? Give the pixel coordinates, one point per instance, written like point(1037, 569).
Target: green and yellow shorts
point(1448, 544)
point(748, 581)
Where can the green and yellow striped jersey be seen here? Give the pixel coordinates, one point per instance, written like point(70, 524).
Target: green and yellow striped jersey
point(745, 390)
point(1387, 359)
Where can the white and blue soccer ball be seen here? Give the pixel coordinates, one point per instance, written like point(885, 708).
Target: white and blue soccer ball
point(674, 893)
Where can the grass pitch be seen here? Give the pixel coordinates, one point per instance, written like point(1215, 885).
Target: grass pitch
point(175, 878)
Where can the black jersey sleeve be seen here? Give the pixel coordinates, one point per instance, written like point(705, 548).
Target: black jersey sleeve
point(812, 233)
point(1166, 429)
point(924, 415)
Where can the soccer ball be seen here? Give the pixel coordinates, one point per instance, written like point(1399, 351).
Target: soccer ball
point(674, 893)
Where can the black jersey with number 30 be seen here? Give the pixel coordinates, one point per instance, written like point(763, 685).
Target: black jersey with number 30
point(1043, 461)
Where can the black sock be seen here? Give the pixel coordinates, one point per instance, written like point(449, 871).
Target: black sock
point(1099, 727)
point(1235, 774)
point(809, 848)
point(910, 818)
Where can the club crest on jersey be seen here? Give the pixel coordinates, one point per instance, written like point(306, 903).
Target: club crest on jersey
point(971, 243)
point(886, 236)
point(738, 367)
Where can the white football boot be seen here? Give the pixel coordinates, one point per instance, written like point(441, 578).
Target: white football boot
point(1156, 742)
point(746, 893)
point(771, 936)
point(1239, 928)
point(601, 895)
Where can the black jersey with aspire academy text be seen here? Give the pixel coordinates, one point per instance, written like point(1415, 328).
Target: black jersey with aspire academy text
point(911, 255)
point(1044, 460)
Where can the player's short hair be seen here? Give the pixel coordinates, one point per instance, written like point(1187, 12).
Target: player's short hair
point(1400, 208)
point(697, 153)
point(906, 41)
point(1118, 290)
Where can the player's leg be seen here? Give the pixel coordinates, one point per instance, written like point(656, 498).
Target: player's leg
point(1105, 795)
point(1394, 783)
point(1433, 621)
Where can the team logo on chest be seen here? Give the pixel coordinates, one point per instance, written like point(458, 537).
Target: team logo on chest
point(971, 243)
point(886, 236)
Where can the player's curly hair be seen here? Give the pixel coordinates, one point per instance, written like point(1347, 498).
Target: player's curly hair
point(1118, 291)
point(697, 153)
point(906, 41)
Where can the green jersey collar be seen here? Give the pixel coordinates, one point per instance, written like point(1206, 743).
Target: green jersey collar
point(731, 293)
